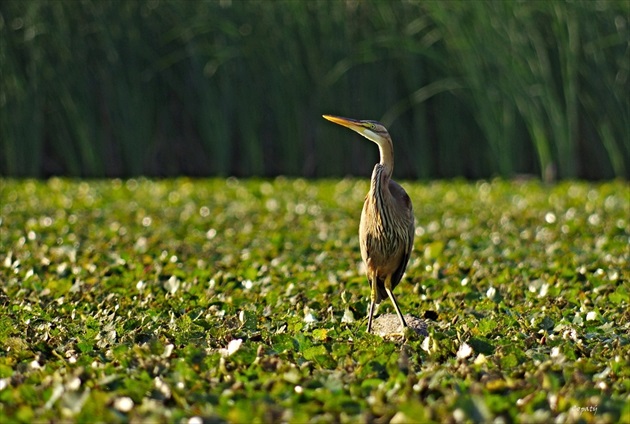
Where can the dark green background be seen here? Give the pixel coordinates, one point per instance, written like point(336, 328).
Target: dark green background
point(476, 89)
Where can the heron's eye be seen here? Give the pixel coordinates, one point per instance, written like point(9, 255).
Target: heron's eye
point(372, 126)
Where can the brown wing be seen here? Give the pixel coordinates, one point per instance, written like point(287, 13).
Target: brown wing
point(406, 208)
point(397, 275)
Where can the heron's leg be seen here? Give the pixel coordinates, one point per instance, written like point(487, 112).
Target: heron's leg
point(370, 315)
point(372, 280)
point(388, 289)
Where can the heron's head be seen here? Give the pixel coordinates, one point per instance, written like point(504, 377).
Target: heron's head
point(372, 130)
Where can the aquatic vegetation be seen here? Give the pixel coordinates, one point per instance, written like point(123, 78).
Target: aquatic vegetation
point(241, 300)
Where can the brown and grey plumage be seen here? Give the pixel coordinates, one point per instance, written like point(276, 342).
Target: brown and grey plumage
point(387, 223)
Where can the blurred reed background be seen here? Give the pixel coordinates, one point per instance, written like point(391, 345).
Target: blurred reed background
point(97, 88)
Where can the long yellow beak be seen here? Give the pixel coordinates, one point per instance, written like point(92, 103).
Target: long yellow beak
point(371, 130)
point(353, 124)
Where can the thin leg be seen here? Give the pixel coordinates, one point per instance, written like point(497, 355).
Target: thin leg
point(370, 314)
point(393, 299)
point(372, 281)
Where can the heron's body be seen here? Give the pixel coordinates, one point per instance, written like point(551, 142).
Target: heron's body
point(387, 228)
point(386, 239)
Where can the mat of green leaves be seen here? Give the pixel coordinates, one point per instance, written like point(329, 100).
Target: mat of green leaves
point(218, 300)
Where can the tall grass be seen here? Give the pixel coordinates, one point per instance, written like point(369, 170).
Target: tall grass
point(474, 89)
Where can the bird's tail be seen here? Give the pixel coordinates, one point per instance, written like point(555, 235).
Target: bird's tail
point(380, 290)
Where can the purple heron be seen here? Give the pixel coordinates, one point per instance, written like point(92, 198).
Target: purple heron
point(387, 224)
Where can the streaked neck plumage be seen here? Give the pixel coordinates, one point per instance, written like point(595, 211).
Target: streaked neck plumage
point(381, 175)
point(386, 151)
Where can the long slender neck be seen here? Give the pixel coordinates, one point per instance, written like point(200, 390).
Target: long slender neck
point(386, 149)
point(382, 173)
